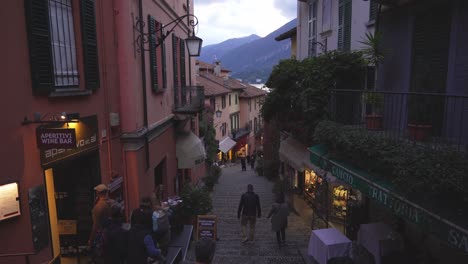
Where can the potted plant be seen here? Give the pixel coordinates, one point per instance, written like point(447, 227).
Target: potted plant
point(374, 101)
point(196, 200)
point(419, 118)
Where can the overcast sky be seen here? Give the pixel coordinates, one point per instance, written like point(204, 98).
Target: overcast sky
point(220, 20)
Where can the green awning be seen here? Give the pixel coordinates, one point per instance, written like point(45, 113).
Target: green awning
point(383, 193)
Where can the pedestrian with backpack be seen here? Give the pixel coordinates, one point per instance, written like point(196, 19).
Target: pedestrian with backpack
point(249, 208)
point(141, 246)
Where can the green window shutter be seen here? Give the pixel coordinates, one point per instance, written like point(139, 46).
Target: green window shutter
point(90, 49)
point(175, 67)
point(373, 10)
point(40, 52)
point(152, 50)
point(163, 58)
point(344, 25)
point(340, 25)
point(182, 63)
point(347, 26)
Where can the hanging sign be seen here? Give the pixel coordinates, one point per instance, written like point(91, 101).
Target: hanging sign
point(86, 131)
point(206, 226)
point(48, 138)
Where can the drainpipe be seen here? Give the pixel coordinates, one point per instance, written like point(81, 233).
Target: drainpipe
point(143, 84)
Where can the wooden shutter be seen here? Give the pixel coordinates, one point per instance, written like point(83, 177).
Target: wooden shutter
point(152, 50)
point(430, 50)
point(347, 26)
point(344, 25)
point(163, 58)
point(175, 68)
point(90, 49)
point(40, 52)
point(182, 64)
point(373, 10)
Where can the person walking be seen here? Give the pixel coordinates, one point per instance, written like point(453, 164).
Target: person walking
point(252, 160)
point(141, 246)
point(100, 214)
point(244, 167)
point(249, 207)
point(279, 218)
point(116, 238)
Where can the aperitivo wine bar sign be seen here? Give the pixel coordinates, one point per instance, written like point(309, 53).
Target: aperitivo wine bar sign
point(48, 138)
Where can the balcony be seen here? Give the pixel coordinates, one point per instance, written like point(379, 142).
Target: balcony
point(239, 133)
point(437, 120)
point(189, 99)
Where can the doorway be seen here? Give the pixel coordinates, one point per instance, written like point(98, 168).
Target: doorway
point(70, 197)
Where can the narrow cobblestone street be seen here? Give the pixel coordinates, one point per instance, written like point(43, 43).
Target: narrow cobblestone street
point(264, 249)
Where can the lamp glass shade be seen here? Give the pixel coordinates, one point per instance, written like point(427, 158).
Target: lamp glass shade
point(218, 113)
point(194, 45)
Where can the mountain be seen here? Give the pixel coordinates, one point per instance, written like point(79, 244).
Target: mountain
point(212, 52)
point(254, 59)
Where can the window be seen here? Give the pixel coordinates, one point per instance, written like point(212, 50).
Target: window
point(223, 101)
point(312, 50)
point(223, 129)
point(250, 125)
point(326, 15)
point(255, 125)
point(236, 99)
point(63, 43)
point(344, 25)
point(250, 105)
point(229, 100)
point(213, 103)
point(255, 104)
point(53, 44)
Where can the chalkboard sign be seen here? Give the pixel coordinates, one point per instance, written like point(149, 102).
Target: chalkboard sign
point(39, 220)
point(206, 226)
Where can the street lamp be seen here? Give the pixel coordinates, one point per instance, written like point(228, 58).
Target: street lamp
point(218, 113)
point(193, 42)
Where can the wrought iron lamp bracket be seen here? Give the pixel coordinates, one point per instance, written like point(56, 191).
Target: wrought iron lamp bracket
point(144, 38)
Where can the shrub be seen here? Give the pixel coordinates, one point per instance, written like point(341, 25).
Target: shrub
point(196, 201)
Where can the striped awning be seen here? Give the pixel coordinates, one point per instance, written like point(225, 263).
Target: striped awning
point(226, 144)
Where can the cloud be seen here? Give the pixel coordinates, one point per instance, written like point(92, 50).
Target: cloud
point(220, 20)
point(288, 8)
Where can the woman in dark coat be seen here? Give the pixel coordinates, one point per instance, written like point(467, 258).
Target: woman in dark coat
point(279, 218)
point(141, 246)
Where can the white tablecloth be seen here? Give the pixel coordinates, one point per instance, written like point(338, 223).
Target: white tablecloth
point(325, 244)
point(378, 239)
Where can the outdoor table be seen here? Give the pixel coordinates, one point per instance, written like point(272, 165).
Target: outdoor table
point(379, 239)
point(328, 243)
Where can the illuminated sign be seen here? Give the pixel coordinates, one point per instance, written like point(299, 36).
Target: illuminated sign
point(9, 201)
point(48, 138)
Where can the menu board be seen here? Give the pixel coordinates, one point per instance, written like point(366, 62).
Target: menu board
point(9, 201)
point(206, 226)
point(39, 217)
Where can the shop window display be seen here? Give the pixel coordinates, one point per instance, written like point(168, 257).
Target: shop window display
point(311, 181)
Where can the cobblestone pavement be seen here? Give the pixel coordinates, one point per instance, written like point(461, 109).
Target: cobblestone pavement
point(264, 249)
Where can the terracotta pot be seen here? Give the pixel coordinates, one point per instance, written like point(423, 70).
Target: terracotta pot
point(374, 122)
point(419, 132)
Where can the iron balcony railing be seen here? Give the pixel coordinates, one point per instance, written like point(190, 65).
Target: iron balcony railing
point(430, 118)
point(238, 133)
point(189, 99)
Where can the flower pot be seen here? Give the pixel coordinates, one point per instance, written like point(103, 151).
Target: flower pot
point(419, 132)
point(374, 122)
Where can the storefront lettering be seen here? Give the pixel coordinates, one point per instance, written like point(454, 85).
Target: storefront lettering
point(56, 138)
point(397, 206)
point(50, 153)
point(342, 175)
point(458, 240)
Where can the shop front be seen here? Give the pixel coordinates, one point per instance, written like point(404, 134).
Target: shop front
point(383, 193)
point(70, 158)
point(225, 149)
